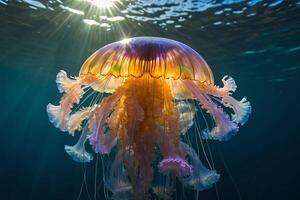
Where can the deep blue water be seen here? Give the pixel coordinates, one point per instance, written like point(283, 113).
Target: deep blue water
point(256, 42)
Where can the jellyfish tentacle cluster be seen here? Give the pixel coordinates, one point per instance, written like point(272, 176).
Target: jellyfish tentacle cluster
point(147, 114)
point(199, 179)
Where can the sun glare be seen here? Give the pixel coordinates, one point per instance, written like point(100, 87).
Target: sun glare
point(102, 3)
point(125, 40)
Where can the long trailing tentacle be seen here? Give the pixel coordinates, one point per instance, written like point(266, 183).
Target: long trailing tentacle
point(224, 128)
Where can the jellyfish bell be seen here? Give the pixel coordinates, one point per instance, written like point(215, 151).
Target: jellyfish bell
point(150, 81)
point(157, 57)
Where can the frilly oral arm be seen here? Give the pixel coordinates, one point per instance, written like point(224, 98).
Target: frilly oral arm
point(242, 109)
point(59, 115)
point(224, 126)
point(75, 120)
point(78, 152)
point(103, 144)
point(229, 86)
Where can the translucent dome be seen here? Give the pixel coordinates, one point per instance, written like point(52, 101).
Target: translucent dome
point(158, 57)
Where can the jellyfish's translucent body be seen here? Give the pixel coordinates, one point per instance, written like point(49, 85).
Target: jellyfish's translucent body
point(150, 81)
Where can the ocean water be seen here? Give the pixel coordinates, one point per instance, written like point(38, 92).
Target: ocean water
point(257, 42)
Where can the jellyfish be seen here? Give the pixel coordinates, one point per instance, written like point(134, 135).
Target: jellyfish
point(135, 100)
